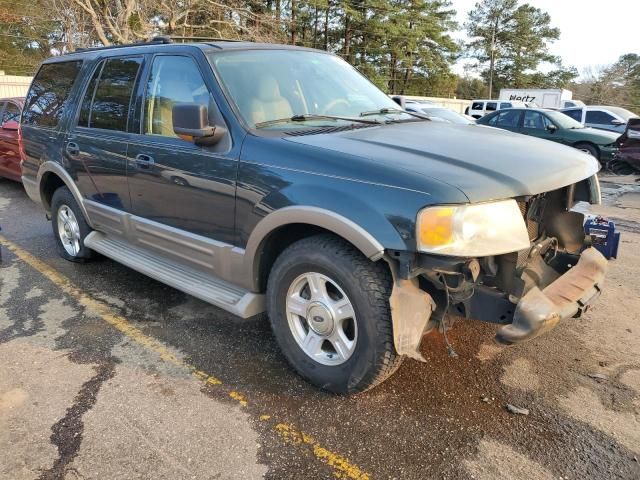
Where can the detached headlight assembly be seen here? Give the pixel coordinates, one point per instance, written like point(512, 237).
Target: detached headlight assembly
point(476, 230)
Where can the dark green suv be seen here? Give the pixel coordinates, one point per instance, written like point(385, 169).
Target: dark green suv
point(557, 127)
point(269, 178)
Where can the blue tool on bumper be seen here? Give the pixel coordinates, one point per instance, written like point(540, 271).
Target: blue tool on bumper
point(604, 236)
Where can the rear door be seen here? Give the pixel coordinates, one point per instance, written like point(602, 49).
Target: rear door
point(509, 120)
point(97, 144)
point(9, 153)
point(173, 181)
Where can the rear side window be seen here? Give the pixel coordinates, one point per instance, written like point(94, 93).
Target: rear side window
point(575, 114)
point(492, 106)
point(47, 97)
point(599, 117)
point(509, 119)
point(477, 106)
point(106, 102)
point(505, 105)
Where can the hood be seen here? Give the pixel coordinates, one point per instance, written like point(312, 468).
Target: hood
point(596, 135)
point(483, 162)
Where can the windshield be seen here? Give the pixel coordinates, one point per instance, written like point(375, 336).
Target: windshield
point(446, 114)
point(562, 120)
point(268, 85)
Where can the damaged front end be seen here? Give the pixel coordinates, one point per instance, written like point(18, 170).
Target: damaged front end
point(528, 291)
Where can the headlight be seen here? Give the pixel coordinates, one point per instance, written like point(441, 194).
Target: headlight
point(472, 230)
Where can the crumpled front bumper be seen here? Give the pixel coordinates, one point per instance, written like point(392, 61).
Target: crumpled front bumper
point(538, 311)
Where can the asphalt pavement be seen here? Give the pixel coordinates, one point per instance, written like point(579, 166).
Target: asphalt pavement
point(108, 374)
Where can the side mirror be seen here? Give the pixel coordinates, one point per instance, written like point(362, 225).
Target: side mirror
point(10, 125)
point(552, 128)
point(192, 120)
point(617, 122)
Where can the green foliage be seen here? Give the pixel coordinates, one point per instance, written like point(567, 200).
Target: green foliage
point(512, 41)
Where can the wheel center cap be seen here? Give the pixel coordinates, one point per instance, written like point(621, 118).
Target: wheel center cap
point(320, 319)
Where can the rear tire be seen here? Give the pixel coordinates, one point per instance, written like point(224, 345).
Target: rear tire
point(343, 339)
point(69, 227)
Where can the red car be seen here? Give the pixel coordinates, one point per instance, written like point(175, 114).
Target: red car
point(10, 110)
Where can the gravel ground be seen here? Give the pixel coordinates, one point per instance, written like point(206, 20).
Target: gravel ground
point(105, 373)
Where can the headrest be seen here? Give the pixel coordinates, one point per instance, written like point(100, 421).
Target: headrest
point(268, 89)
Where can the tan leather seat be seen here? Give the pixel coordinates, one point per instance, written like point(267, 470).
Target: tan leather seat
point(269, 104)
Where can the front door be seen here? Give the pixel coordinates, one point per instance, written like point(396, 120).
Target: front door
point(174, 182)
point(538, 125)
point(96, 146)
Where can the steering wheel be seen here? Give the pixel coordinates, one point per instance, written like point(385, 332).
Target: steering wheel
point(335, 103)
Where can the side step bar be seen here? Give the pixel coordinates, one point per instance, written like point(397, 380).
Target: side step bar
point(208, 288)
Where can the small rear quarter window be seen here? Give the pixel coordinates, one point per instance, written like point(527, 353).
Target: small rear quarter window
point(48, 94)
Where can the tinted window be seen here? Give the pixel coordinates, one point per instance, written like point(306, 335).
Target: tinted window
point(534, 120)
point(477, 106)
point(509, 119)
point(173, 79)
point(47, 97)
point(600, 117)
point(110, 106)
point(85, 109)
point(11, 113)
point(493, 120)
point(492, 106)
point(575, 114)
point(506, 105)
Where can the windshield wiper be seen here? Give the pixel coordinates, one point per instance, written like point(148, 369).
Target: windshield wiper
point(310, 116)
point(386, 111)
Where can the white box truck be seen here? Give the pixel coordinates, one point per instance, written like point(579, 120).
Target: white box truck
point(545, 98)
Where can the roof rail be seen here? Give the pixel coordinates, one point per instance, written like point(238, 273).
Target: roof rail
point(174, 38)
point(160, 39)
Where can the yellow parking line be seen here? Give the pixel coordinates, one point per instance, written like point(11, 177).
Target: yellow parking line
point(292, 436)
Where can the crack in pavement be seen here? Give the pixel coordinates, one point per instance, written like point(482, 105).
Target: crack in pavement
point(67, 432)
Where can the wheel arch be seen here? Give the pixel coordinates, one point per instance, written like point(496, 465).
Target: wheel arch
point(52, 176)
point(586, 142)
point(283, 227)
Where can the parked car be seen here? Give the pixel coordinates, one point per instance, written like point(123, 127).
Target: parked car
point(480, 108)
point(440, 113)
point(602, 117)
point(557, 127)
point(355, 225)
point(10, 110)
point(627, 159)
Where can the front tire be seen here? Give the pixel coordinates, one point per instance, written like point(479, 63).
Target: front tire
point(588, 148)
point(69, 227)
point(329, 311)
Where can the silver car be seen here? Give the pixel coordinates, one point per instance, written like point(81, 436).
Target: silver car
point(601, 116)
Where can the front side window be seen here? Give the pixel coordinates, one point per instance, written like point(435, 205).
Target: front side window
point(47, 98)
point(599, 117)
point(534, 120)
point(109, 94)
point(275, 84)
point(173, 79)
point(492, 106)
point(11, 113)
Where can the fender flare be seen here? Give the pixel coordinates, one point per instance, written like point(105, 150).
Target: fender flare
point(319, 217)
point(58, 170)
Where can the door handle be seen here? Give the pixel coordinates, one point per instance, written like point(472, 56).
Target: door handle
point(73, 149)
point(144, 161)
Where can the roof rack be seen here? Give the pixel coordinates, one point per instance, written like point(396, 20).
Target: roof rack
point(161, 39)
point(174, 38)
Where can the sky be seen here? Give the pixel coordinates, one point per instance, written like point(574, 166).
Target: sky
point(592, 32)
